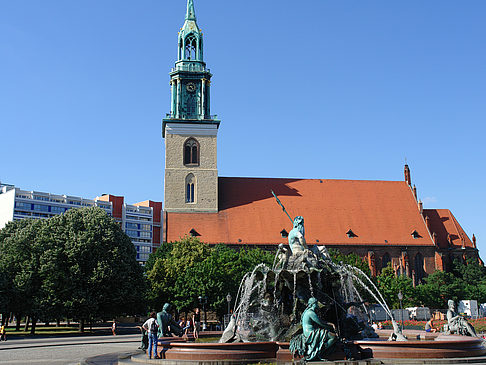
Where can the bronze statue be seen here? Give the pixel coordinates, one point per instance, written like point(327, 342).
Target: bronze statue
point(167, 325)
point(457, 323)
point(318, 337)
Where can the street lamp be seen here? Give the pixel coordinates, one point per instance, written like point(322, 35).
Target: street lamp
point(400, 298)
point(228, 299)
point(204, 301)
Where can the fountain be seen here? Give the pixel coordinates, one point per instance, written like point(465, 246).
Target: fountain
point(266, 322)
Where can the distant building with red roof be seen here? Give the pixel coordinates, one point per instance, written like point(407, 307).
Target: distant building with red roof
point(382, 221)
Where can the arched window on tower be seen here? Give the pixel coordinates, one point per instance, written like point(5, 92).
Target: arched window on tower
point(190, 188)
point(191, 152)
point(419, 268)
point(190, 47)
point(385, 260)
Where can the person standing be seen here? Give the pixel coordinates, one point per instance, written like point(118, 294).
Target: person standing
point(113, 327)
point(196, 320)
point(152, 327)
point(3, 333)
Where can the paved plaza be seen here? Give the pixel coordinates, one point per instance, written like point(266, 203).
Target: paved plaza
point(70, 350)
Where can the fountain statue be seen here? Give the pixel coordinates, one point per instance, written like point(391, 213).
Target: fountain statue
point(287, 301)
point(308, 306)
point(457, 324)
point(318, 337)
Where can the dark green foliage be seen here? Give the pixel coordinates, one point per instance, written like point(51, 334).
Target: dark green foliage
point(467, 280)
point(438, 288)
point(390, 285)
point(78, 265)
point(350, 259)
point(182, 271)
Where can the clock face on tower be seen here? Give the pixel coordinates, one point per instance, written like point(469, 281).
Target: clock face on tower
point(191, 87)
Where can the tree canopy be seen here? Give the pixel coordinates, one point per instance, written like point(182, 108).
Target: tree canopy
point(182, 271)
point(78, 265)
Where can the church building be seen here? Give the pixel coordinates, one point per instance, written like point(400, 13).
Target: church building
point(381, 221)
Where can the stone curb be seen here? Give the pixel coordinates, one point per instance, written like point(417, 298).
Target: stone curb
point(97, 342)
point(141, 358)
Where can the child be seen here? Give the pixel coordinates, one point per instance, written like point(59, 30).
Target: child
point(113, 328)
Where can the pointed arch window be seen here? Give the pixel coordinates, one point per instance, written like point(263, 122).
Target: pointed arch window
point(190, 188)
point(191, 152)
point(386, 259)
point(419, 266)
point(190, 47)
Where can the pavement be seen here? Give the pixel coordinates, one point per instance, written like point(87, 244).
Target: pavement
point(92, 350)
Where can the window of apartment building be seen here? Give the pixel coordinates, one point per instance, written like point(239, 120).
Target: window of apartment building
point(131, 225)
point(146, 227)
point(42, 215)
point(57, 210)
point(41, 207)
point(74, 202)
point(145, 234)
point(132, 217)
point(146, 249)
point(23, 213)
point(22, 205)
point(132, 233)
point(40, 197)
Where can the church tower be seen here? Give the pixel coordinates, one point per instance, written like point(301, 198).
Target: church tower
point(190, 132)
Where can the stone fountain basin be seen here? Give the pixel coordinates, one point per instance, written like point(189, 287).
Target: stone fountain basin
point(433, 347)
point(254, 351)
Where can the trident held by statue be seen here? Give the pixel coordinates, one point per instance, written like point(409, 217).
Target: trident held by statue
point(283, 208)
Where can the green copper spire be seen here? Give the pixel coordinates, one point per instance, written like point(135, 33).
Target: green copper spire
point(190, 14)
point(190, 79)
point(190, 37)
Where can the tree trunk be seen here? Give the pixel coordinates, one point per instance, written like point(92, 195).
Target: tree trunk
point(18, 316)
point(26, 327)
point(58, 322)
point(81, 325)
point(32, 328)
point(4, 319)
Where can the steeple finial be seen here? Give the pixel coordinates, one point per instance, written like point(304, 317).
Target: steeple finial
point(190, 14)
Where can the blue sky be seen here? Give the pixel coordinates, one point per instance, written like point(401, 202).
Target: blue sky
point(310, 89)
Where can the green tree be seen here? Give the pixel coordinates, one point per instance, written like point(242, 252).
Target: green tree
point(439, 287)
point(472, 278)
point(350, 259)
point(104, 277)
point(390, 285)
point(185, 270)
point(79, 264)
point(10, 299)
point(22, 253)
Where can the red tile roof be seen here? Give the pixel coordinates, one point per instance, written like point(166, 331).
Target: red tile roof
point(443, 223)
point(378, 212)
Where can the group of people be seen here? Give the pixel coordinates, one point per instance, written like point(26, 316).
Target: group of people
point(187, 324)
point(163, 325)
